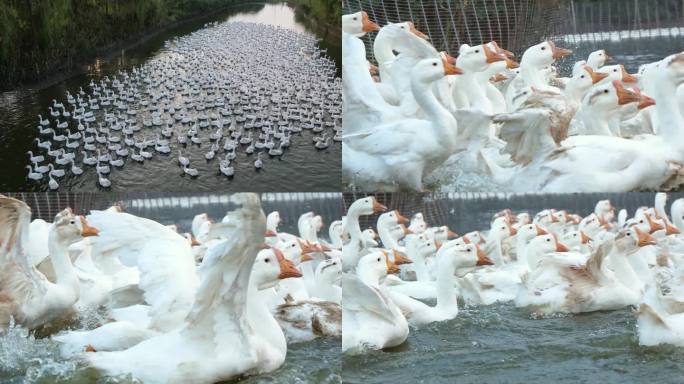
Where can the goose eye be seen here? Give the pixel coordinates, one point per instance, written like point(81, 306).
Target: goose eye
point(543, 48)
point(434, 64)
point(335, 263)
point(548, 240)
point(614, 70)
point(266, 260)
point(72, 222)
point(605, 91)
point(477, 51)
point(582, 76)
point(402, 27)
point(293, 245)
point(468, 249)
point(575, 235)
point(355, 19)
point(629, 234)
point(378, 259)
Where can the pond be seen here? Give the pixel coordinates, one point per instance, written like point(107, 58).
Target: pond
point(313, 169)
point(504, 344)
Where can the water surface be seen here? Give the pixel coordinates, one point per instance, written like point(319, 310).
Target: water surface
point(302, 167)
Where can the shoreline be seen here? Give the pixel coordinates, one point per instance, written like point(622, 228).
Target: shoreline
point(60, 73)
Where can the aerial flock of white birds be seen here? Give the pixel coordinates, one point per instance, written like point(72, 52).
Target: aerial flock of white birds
point(227, 88)
point(552, 262)
point(202, 307)
point(426, 118)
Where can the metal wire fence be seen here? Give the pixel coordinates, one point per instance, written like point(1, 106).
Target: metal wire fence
point(514, 24)
point(517, 24)
point(180, 208)
point(464, 212)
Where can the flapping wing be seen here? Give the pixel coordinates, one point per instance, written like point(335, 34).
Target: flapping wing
point(219, 311)
point(359, 297)
point(17, 273)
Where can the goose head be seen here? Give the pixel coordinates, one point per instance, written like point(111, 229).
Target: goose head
point(547, 244)
point(399, 231)
point(607, 98)
point(317, 222)
point(335, 231)
point(575, 238)
point(477, 58)
point(428, 71)
point(543, 55)
point(375, 266)
point(442, 233)
point(272, 222)
point(583, 79)
point(598, 59)
point(418, 224)
point(468, 255)
point(391, 218)
point(529, 231)
point(670, 70)
point(270, 266)
point(523, 218)
point(366, 206)
point(69, 228)
point(368, 237)
point(632, 239)
point(329, 270)
point(501, 230)
point(617, 72)
point(358, 24)
point(605, 208)
point(475, 237)
point(496, 48)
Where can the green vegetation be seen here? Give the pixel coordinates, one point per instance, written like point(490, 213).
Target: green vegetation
point(39, 37)
point(322, 15)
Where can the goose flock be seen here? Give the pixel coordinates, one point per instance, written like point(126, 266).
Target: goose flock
point(227, 88)
point(424, 118)
point(201, 307)
point(552, 262)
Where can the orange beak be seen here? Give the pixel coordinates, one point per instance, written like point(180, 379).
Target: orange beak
point(541, 231)
point(511, 64)
point(644, 238)
point(87, 229)
point(500, 50)
point(400, 219)
point(513, 231)
point(449, 58)
point(416, 32)
point(558, 52)
point(287, 268)
point(438, 245)
point(482, 258)
point(654, 226)
point(646, 102)
point(626, 77)
point(323, 248)
point(584, 238)
point(194, 242)
point(400, 258)
point(450, 69)
point(625, 96)
point(270, 233)
point(373, 69)
point(451, 234)
point(307, 247)
point(554, 219)
point(492, 57)
point(392, 268)
point(305, 257)
point(498, 77)
point(671, 229)
point(560, 247)
point(377, 207)
point(466, 240)
point(368, 25)
point(595, 76)
point(406, 230)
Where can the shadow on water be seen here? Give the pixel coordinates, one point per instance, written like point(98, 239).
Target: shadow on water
point(313, 170)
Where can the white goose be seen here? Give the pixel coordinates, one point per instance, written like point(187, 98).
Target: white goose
point(27, 295)
point(230, 331)
point(370, 319)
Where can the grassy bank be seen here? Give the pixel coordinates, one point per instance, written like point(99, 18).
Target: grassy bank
point(321, 15)
point(41, 37)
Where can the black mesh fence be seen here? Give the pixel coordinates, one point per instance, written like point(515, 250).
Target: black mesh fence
point(180, 208)
point(517, 24)
point(464, 212)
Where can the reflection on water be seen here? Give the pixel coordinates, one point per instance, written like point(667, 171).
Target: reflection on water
point(312, 169)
